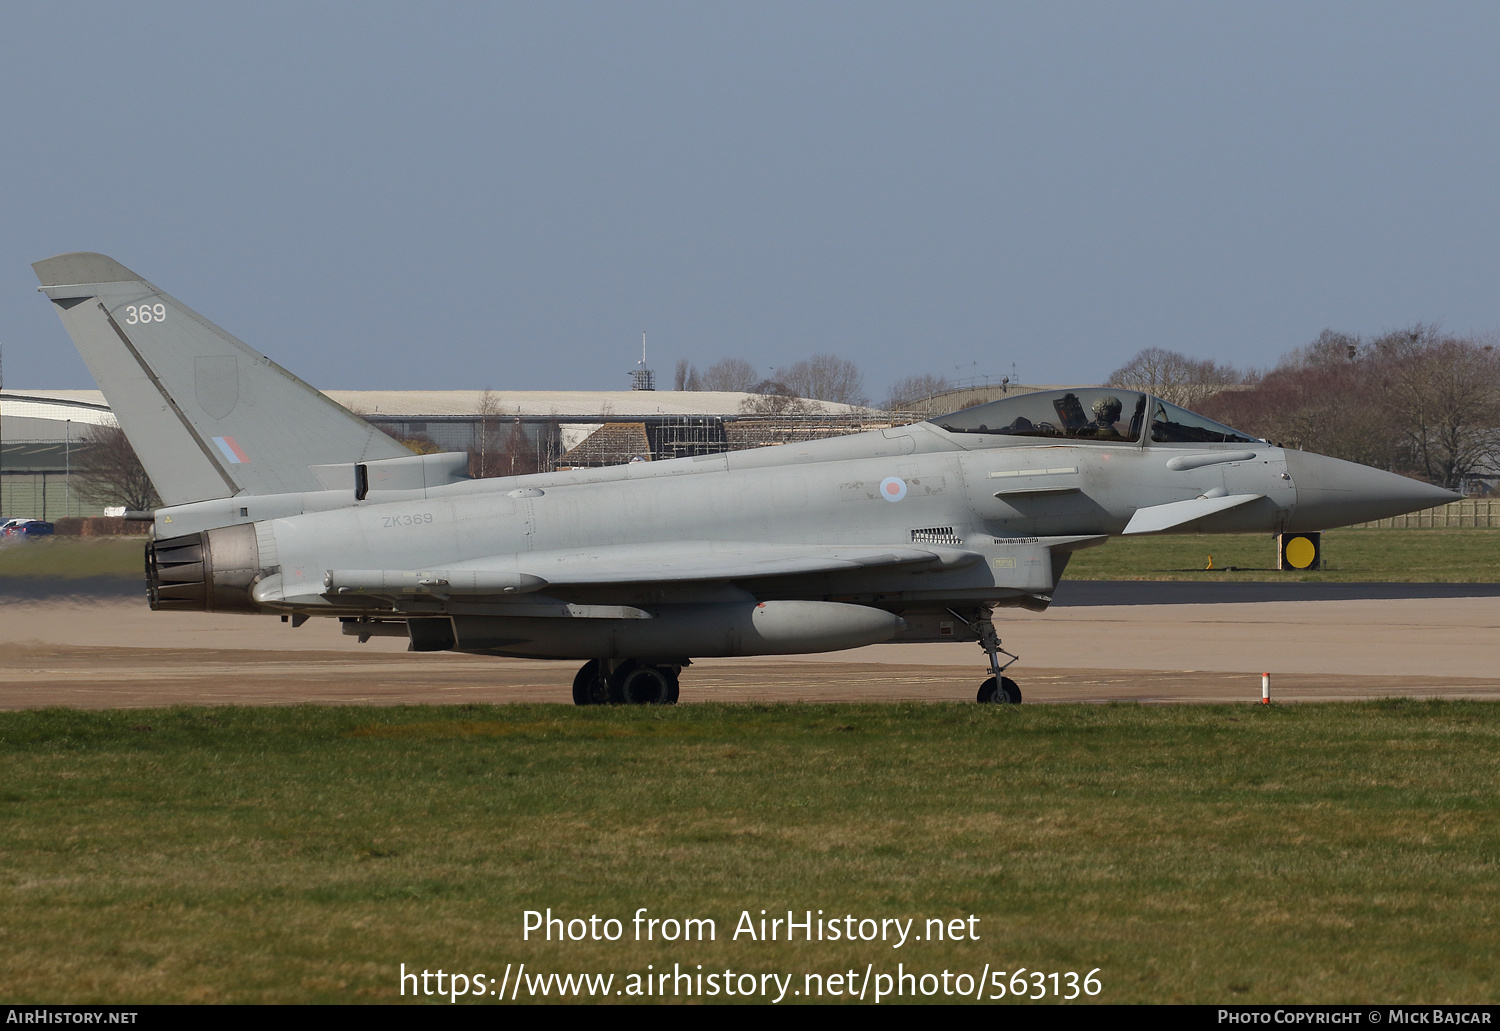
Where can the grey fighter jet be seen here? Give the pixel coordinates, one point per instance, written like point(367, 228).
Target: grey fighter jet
point(277, 500)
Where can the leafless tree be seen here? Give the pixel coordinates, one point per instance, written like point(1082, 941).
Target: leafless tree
point(1442, 394)
point(519, 457)
point(484, 456)
point(728, 374)
point(775, 399)
point(908, 390)
point(1328, 408)
point(110, 473)
point(734, 374)
point(1414, 401)
point(1174, 377)
point(825, 377)
point(1331, 350)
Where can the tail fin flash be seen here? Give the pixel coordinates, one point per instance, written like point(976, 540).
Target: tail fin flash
point(208, 416)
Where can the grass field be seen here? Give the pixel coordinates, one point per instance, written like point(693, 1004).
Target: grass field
point(1416, 556)
point(69, 558)
point(1353, 556)
point(1309, 853)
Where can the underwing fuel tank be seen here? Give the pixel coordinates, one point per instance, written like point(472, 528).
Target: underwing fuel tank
point(748, 628)
point(211, 571)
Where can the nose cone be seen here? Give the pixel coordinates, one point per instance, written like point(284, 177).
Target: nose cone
point(1332, 492)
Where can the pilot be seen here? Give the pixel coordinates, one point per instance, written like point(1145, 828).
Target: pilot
point(1106, 413)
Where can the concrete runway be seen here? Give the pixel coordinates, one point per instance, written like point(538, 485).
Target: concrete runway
point(117, 653)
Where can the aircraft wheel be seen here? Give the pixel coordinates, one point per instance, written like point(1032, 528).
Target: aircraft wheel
point(589, 688)
point(637, 684)
point(1009, 692)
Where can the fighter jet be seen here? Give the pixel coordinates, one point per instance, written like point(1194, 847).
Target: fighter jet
point(279, 501)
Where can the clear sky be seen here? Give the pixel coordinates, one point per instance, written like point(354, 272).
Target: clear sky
point(506, 194)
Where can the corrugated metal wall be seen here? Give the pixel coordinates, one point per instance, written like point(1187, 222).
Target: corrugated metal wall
point(42, 495)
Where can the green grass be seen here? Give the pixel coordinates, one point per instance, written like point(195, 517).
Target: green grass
point(1311, 853)
point(1352, 556)
point(69, 558)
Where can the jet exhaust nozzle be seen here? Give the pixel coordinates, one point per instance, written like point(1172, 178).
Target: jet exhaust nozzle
point(211, 571)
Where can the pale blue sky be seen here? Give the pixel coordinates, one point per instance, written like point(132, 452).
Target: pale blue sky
point(505, 195)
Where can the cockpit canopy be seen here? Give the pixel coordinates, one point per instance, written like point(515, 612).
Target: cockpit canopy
point(1100, 415)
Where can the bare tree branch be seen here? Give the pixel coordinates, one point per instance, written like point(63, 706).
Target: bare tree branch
point(1414, 401)
point(826, 377)
point(110, 473)
point(910, 389)
point(729, 374)
point(1174, 377)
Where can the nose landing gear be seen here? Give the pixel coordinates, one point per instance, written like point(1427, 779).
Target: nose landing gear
point(998, 688)
point(1007, 690)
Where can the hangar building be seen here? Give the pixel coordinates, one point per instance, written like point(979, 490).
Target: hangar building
point(505, 432)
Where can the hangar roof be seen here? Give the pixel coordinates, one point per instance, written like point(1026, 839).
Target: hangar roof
point(593, 404)
point(46, 414)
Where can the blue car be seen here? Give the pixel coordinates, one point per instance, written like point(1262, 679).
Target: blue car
point(26, 528)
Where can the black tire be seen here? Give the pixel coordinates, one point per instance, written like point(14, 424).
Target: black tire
point(589, 688)
point(638, 684)
point(1009, 692)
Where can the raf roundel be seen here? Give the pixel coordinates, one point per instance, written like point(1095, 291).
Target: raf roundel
point(893, 488)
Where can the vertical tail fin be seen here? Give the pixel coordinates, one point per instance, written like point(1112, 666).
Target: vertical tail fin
point(208, 416)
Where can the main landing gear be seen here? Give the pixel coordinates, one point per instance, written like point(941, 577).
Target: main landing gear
point(998, 688)
point(625, 682)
